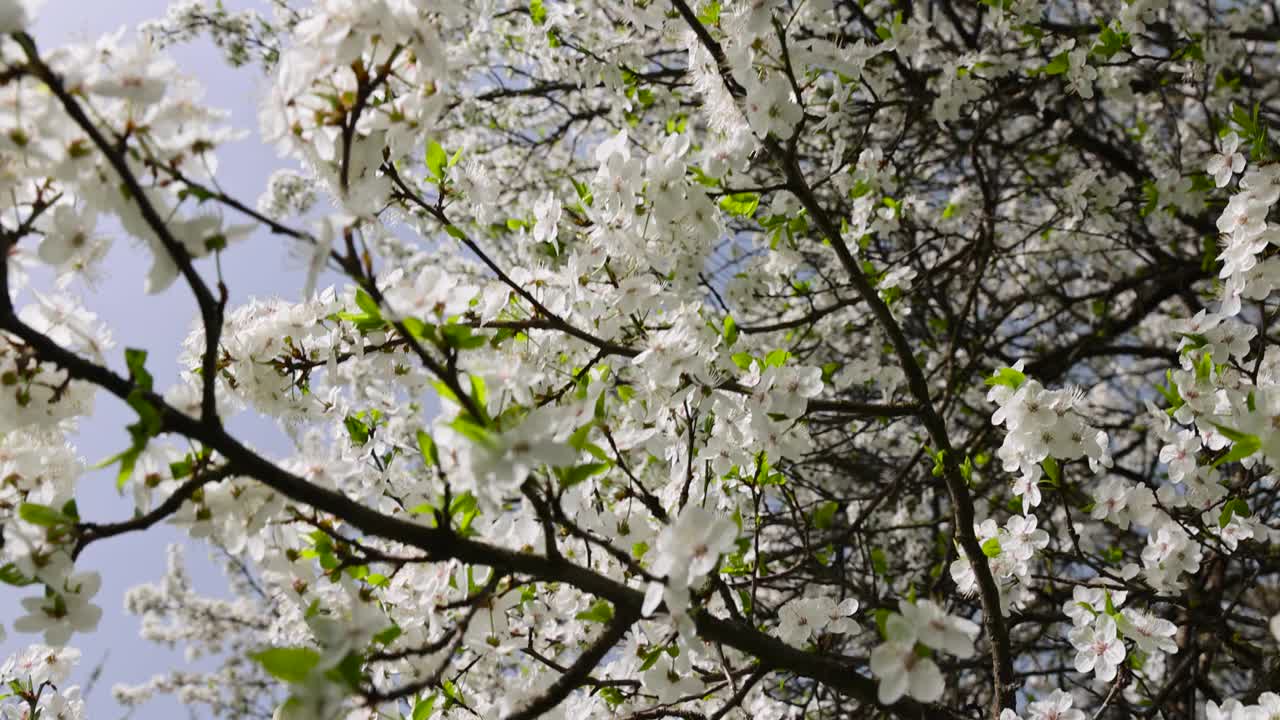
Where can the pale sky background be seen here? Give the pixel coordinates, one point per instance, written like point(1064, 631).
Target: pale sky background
point(260, 266)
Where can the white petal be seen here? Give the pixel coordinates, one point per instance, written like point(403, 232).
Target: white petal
point(163, 272)
point(898, 630)
point(926, 681)
point(652, 597)
point(886, 659)
point(892, 687)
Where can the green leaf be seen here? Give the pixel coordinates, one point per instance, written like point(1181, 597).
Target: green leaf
point(43, 515)
point(1008, 377)
point(1171, 393)
point(419, 329)
point(348, 672)
point(127, 459)
point(201, 194)
point(460, 337)
point(1234, 506)
point(1151, 194)
point(1051, 470)
point(777, 358)
point(135, 359)
point(1209, 256)
point(612, 695)
point(427, 446)
point(290, 664)
point(574, 475)
point(436, 160)
point(650, 658)
point(10, 575)
point(882, 619)
point(182, 468)
point(991, 547)
point(939, 461)
point(1195, 341)
point(149, 421)
point(584, 192)
point(463, 504)
point(389, 635)
point(1059, 65)
point(730, 331)
point(1234, 435)
point(455, 231)
point(740, 204)
point(463, 510)
point(422, 709)
point(824, 516)
point(1110, 42)
point(710, 13)
point(480, 396)
point(467, 426)
point(601, 611)
point(452, 694)
point(1240, 450)
point(879, 561)
point(578, 439)
point(1136, 659)
point(537, 12)
point(357, 430)
point(639, 549)
point(365, 302)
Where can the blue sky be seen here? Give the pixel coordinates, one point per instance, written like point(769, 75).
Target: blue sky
point(260, 266)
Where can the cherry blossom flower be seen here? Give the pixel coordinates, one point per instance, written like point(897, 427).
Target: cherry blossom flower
point(940, 631)
point(900, 669)
point(1152, 634)
point(65, 609)
point(685, 552)
point(1098, 650)
point(1055, 707)
point(1227, 162)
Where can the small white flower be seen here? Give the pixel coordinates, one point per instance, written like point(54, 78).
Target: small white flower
point(1055, 707)
point(685, 552)
point(902, 670)
point(938, 630)
point(1097, 648)
point(1227, 162)
point(1151, 634)
point(508, 458)
point(64, 610)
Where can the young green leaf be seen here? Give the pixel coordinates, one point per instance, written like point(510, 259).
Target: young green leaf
point(290, 664)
